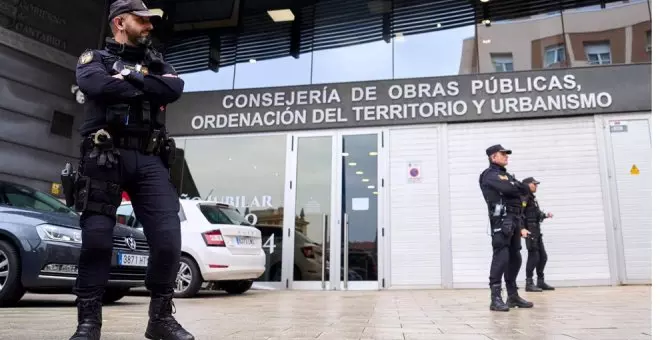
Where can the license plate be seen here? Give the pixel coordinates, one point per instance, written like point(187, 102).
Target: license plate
point(244, 241)
point(132, 260)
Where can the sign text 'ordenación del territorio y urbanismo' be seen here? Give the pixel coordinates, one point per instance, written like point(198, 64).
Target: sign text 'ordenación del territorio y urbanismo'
point(431, 101)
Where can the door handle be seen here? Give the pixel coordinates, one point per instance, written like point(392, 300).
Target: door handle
point(345, 250)
point(325, 239)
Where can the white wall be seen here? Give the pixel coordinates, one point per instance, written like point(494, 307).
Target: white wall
point(563, 155)
point(414, 208)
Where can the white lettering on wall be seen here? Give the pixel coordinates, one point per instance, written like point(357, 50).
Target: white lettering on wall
point(237, 201)
point(406, 101)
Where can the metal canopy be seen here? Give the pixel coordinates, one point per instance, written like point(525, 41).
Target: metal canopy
point(198, 35)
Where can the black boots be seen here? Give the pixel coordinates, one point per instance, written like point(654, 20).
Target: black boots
point(496, 303)
point(543, 285)
point(89, 319)
point(531, 287)
point(514, 300)
point(162, 325)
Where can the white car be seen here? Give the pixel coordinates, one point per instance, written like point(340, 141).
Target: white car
point(218, 246)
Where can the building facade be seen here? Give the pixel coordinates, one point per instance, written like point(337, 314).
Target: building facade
point(377, 148)
point(40, 42)
point(618, 34)
point(359, 162)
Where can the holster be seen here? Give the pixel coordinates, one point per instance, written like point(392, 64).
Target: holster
point(68, 177)
point(508, 225)
point(83, 201)
point(168, 152)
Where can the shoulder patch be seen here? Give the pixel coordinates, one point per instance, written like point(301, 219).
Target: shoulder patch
point(503, 177)
point(86, 57)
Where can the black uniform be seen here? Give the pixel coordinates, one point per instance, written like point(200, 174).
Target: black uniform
point(502, 193)
point(126, 146)
point(536, 254)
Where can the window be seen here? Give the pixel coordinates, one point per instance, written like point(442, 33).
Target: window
point(125, 215)
point(648, 42)
point(598, 53)
point(284, 71)
point(436, 53)
point(23, 197)
point(370, 61)
point(554, 54)
point(222, 214)
point(502, 62)
point(62, 124)
point(248, 173)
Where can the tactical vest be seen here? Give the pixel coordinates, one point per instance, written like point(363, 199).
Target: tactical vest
point(136, 118)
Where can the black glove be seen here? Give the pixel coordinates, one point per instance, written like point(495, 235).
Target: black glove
point(104, 150)
point(155, 62)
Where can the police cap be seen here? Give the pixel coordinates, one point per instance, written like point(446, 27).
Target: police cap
point(497, 148)
point(530, 180)
point(136, 7)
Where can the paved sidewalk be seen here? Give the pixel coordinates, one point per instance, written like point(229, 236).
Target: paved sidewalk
point(567, 313)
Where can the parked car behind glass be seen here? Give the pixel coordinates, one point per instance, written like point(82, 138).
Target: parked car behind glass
point(40, 241)
point(218, 246)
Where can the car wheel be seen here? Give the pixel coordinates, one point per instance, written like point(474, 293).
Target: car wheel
point(11, 288)
point(188, 279)
point(237, 287)
point(114, 295)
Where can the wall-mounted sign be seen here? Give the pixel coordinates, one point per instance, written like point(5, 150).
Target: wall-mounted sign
point(56, 189)
point(618, 126)
point(634, 170)
point(463, 98)
point(57, 33)
point(414, 172)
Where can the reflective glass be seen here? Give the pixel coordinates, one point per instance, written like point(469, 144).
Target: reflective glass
point(438, 53)
point(313, 194)
point(274, 72)
point(246, 172)
point(371, 61)
point(522, 44)
point(360, 207)
point(617, 34)
point(209, 80)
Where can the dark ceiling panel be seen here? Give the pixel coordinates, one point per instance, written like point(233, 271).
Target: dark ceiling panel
point(322, 24)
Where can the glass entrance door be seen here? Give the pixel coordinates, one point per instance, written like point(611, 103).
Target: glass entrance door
point(314, 205)
point(359, 206)
point(334, 233)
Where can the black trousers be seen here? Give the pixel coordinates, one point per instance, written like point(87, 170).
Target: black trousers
point(156, 206)
point(536, 257)
point(506, 255)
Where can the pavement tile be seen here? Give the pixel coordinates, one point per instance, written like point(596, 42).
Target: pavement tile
point(599, 313)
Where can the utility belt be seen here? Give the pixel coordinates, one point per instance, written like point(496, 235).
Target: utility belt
point(502, 210)
point(148, 142)
point(78, 191)
point(502, 218)
point(101, 147)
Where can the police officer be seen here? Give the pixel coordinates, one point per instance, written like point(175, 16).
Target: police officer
point(536, 255)
point(125, 147)
point(503, 194)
